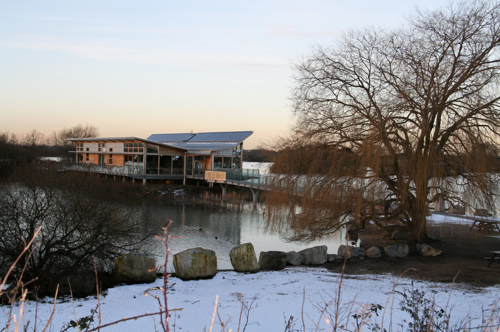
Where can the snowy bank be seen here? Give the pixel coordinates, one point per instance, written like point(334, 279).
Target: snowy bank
point(278, 295)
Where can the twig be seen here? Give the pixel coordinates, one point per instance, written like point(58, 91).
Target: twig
point(215, 312)
point(130, 318)
point(98, 293)
point(53, 310)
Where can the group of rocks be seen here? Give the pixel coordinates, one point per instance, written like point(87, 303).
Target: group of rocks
point(199, 263)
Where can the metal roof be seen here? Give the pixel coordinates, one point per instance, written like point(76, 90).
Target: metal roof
point(215, 141)
point(207, 146)
point(229, 136)
point(170, 137)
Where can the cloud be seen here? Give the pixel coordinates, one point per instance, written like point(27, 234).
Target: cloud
point(163, 57)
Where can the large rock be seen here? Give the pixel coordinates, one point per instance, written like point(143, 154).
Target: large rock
point(396, 249)
point(427, 250)
point(196, 263)
point(243, 258)
point(373, 252)
point(351, 252)
point(332, 258)
point(134, 269)
point(294, 258)
point(315, 255)
point(272, 260)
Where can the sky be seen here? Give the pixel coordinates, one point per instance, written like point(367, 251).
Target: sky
point(136, 68)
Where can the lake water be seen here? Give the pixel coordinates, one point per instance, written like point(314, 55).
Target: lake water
point(221, 231)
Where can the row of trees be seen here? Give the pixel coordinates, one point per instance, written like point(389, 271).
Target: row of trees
point(17, 150)
point(415, 110)
point(57, 138)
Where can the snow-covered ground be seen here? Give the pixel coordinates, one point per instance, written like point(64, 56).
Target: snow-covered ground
point(278, 295)
point(273, 297)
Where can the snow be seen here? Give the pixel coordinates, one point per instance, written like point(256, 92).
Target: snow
point(274, 296)
point(278, 295)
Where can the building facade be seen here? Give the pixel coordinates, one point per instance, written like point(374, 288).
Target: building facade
point(163, 156)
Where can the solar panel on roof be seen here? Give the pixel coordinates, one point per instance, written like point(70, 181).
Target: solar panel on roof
point(170, 137)
point(230, 136)
point(234, 136)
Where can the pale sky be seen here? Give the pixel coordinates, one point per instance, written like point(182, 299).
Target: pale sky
point(135, 68)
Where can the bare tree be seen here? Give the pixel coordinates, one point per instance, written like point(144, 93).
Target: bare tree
point(78, 131)
point(387, 121)
point(81, 220)
point(33, 138)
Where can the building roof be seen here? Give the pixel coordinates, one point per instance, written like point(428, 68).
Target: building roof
point(203, 141)
point(120, 139)
point(170, 137)
point(214, 141)
point(228, 136)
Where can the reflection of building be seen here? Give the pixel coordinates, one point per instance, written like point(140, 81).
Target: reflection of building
point(162, 156)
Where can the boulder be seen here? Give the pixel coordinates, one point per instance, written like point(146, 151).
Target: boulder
point(196, 263)
point(134, 269)
point(315, 255)
point(398, 235)
point(351, 252)
point(334, 258)
point(373, 252)
point(396, 249)
point(272, 260)
point(243, 258)
point(294, 258)
point(427, 250)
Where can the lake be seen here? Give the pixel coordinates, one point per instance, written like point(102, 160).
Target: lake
point(221, 231)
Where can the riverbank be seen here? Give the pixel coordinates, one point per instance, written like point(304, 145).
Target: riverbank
point(462, 259)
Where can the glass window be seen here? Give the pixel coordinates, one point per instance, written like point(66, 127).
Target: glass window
point(189, 165)
point(165, 164)
point(226, 163)
point(152, 165)
point(178, 165)
point(218, 162)
point(236, 162)
point(110, 159)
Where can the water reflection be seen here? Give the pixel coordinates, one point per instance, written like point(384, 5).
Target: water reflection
point(221, 231)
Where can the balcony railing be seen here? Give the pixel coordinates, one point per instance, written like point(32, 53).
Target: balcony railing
point(246, 176)
point(128, 170)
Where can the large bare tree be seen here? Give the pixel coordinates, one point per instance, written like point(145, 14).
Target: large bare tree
point(388, 121)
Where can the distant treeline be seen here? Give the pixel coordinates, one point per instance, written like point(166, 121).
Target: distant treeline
point(258, 155)
point(18, 150)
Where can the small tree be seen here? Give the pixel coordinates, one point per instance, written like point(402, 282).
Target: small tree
point(387, 121)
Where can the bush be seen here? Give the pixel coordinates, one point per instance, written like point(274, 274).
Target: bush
point(81, 222)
